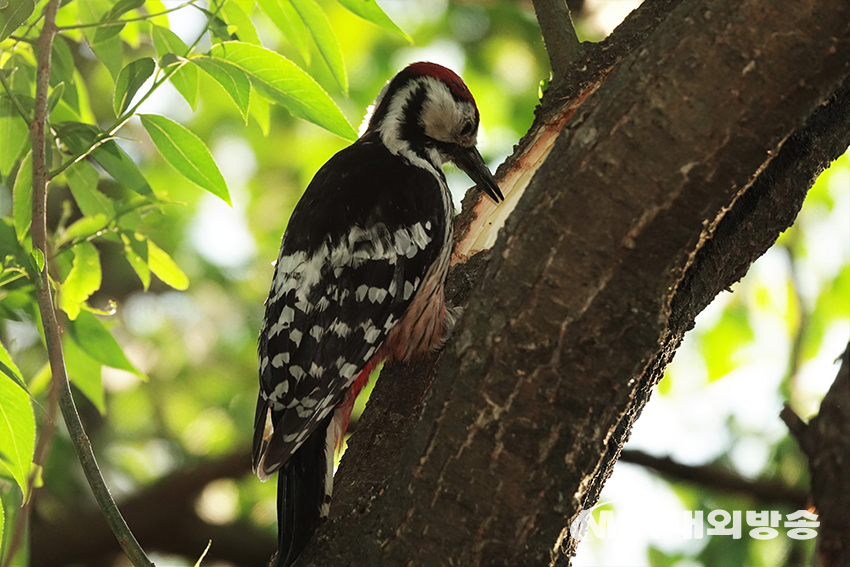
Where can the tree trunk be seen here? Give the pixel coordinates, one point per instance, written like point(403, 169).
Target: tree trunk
point(661, 165)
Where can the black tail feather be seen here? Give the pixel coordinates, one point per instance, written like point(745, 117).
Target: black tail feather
point(300, 495)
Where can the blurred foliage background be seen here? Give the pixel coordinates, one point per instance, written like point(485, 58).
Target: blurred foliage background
point(772, 340)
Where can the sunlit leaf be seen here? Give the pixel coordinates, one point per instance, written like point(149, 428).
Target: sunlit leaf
point(22, 198)
point(260, 109)
point(17, 431)
point(185, 79)
point(83, 280)
point(121, 7)
point(166, 268)
point(233, 80)
point(14, 135)
point(96, 340)
point(156, 7)
point(82, 179)
point(13, 14)
point(136, 252)
point(129, 81)
point(369, 10)
point(79, 137)
point(84, 372)
point(186, 153)
point(316, 21)
point(235, 16)
point(8, 366)
point(286, 84)
point(284, 16)
point(83, 228)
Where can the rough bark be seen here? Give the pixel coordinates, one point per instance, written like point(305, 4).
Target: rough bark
point(659, 168)
point(687, 159)
point(826, 442)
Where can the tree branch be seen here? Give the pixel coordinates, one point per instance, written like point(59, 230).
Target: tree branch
point(45, 301)
point(716, 478)
point(559, 35)
point(490, 450)
point(826, 441)
point(163, 516)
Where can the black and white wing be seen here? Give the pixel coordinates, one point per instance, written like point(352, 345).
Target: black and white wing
point(341, 283)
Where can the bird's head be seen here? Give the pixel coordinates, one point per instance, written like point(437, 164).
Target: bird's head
point(427, 112)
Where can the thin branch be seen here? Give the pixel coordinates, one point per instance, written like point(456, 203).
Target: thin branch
point(107, 135)
point(45, 301)
point(127, 20)
point(22, 39)
point(716, 478)
point(559, 35)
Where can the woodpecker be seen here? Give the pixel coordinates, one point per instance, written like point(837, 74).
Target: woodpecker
point(359, 279)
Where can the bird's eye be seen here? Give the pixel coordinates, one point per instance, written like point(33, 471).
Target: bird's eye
point(467, 129)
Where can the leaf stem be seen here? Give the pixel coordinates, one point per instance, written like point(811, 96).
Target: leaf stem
point(40, 177)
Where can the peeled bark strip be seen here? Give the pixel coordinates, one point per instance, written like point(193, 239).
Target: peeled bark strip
point(654, 198)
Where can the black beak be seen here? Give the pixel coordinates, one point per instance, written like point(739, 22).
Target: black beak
point(471, 162)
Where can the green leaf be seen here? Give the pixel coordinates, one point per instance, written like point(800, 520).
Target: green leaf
point(83, 280)
point(166, 268)
point(54, 97)
point(111, 54)
point(9, 368)
point(156, 7)
point(17, 432)
point(96, 340)
point(111, 25)
point(130, 80)
point(236, 17)
point(316, 21)
point(37, 258)
point(85, 373)
point(286, 84)
point(62, 62)
point(259, 109)
point(13, 14)
point(185, 79)
point(369, 10)
point(14, 135)
point(136, 252)
point(82, 179)
point(186, 153)
point(233, 80)
point(286, 19)
point(79, 137)
point(83, 228)
point(22, 198)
